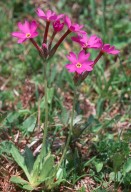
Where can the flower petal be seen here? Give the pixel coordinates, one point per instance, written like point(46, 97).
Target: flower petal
point(21, 41)
point(72, 57)
point(71, 68)
point(18, 35)
point(33, 26)
point(21, 27)
point(40, 13)
point(114, 52)
point(67, 21)
point(35, 34)
point(26, 26)
point(83, 56)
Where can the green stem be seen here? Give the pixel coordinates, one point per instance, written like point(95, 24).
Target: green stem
point(44, 148)
point(70, 130)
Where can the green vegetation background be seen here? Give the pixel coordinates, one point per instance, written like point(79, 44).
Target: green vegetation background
point(107, 89)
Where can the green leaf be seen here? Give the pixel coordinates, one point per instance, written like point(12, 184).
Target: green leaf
point(18, 180)
point(5, 147)
point(118, 159)
point(64, 116)
point(97, 128)
point(19, 160)
point(29, 159)
point(50, 95)
point(47, 166)
point(127, 166)
point(36, 169)
point(21, 182)
point(99, 166)
point(99, 107)
point(11, 118)
point(59, 174)
point(24, 112)
point(43, 169)
point(50, 182)
point(29, 123)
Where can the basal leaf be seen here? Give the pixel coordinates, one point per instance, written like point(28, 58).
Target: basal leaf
point(47, 166)
point(21, 182)
point(29, 159)
point(19, 160)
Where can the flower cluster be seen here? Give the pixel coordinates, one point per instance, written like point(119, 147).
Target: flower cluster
point(80, 65)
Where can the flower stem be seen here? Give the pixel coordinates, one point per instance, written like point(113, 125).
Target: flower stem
point(70, 129)
point(44, 147)
point(97, 58)
point(53, 50)
point(52, 38)
point(46, 32)
point(36, 46)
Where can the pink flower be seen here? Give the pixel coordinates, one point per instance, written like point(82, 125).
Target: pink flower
point(58, 26)
point(48, 16)
point(74, 27)
point(93, 41)
point(79, 64)
point(28, 31)
point(107, 48)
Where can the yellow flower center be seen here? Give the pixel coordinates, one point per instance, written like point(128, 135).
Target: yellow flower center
point(28, 35)
point(78, 65)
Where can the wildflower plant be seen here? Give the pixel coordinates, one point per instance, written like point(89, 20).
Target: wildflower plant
point(44, 170)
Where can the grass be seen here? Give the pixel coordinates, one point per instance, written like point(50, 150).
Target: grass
point(99, 160)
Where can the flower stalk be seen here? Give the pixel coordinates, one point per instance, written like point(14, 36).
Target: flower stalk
point(52, 38)
point(45, 131)
point(36, 46)
point(53, 50)
point(46, 32)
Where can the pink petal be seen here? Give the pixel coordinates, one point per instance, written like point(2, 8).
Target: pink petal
point(81, 32)
point(67, 21)
point(71, 68)
point(44, 17)
point(80, 70)
point(60, 16)
point(21, 27)
point(58, 26)
point(76, 38)
point(48, 13)
point(72, 57)
point(83, 57)
point(114, 52)
point(33, 26)
point(35, 34)
point(18, 35)
point(84, 38)
point(106, 47)
point(51, 15)
point(26, 25)
point(53, 18)
point(88, 63)
point(21, 41)
point(40, 13)
point(89, 68)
